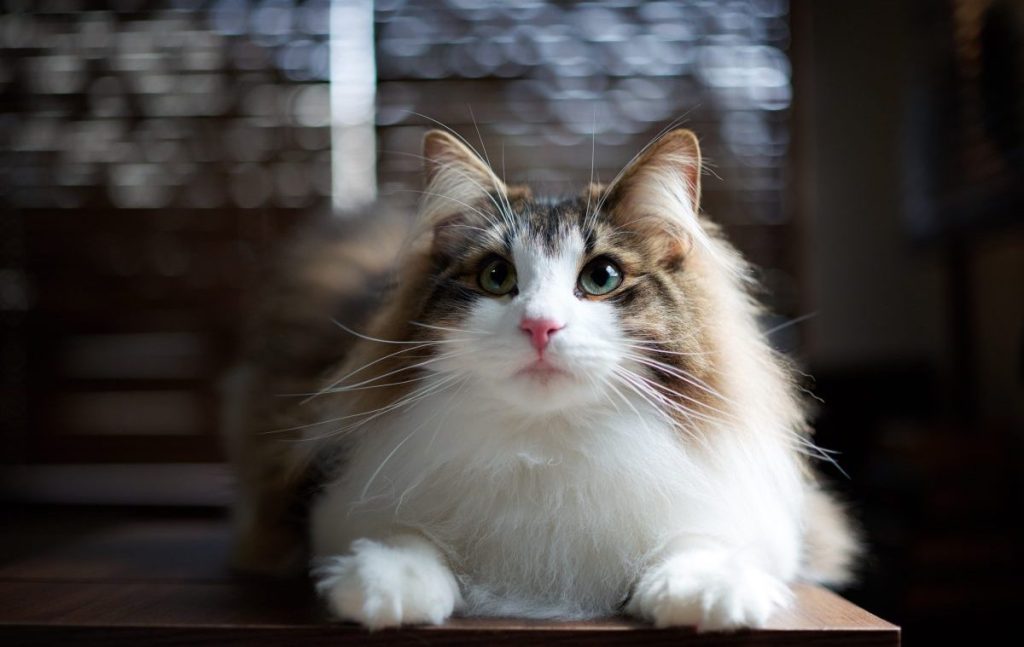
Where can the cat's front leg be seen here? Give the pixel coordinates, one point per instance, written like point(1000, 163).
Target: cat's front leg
point(714, 589)
point(404, 580)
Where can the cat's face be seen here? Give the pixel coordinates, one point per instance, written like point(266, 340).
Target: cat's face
point(550, 305)
point(541, 303)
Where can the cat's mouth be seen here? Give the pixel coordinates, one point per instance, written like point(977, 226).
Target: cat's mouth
point(542, 371)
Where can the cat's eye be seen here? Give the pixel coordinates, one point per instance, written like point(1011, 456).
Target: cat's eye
point(498, 277)
point(600, 276)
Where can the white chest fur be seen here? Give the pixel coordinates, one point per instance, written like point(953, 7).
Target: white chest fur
point(556, 515)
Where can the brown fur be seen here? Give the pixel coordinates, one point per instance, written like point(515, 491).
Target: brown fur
point(290, 344)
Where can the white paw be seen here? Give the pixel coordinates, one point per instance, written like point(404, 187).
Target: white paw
point(404, 581)
point(707, 589)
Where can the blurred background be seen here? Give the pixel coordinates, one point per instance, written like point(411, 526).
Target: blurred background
point(868, 157)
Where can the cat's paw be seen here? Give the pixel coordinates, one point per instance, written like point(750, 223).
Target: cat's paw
point(378, 585)
point(709, 590)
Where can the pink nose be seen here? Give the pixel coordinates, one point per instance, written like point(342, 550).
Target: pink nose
point(540, 331)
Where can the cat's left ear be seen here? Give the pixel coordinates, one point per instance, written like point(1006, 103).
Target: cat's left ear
point(658, 193)
point(668, 169)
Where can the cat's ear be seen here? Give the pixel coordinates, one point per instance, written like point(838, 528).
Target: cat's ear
point(658, 194)
point(460, 187)
point(667, 169)
point(453, 169)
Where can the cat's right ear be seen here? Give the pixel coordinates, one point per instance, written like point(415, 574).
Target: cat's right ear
point(456, 177)
point(445, 152)
point(459, 186)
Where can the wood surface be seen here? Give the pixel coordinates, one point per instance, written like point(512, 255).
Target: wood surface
point(99, 577)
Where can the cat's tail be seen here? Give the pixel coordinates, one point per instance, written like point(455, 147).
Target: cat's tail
point(832, 542)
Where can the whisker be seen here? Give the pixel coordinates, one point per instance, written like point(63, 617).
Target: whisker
point(653, 347)
point(685, 396)
point(331, 388)
point(462, 385)
point(604, 382)
point(587, 220)
point(640, 417)
point(426, 362)
point(649, 387)
point(679, 373)
point(448, 409)
point(361, 368)
point(392, 341)
point(448, 329)
point(369, 338)
point(412, 398)
point(808, 448)
point(338, 418)
point(387, 458)
point(347, 389)
point(791, 322)
point(626, 381)
point(483, 147)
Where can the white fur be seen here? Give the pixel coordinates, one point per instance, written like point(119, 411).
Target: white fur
point(386, 585)
point(713, 588)
point(561, 499)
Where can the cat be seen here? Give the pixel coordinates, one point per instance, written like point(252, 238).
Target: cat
point(541, 408)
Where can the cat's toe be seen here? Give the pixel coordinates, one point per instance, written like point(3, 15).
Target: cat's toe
point(381, 586)
point(746, 598)
point(709, 592)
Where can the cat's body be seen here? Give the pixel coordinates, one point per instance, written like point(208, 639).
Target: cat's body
point(560, 409)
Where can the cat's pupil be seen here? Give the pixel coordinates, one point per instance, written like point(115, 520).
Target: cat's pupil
point(600, 276)
point(499, 273)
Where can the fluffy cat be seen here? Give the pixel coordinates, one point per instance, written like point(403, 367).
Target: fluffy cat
point(554, 408)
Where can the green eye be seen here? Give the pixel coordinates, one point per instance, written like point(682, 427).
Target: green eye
point(600, 276)
point(498, 277)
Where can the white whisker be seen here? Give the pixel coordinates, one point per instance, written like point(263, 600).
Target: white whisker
point(426, 362)
point(652, 388)
point(369, 482)
point(336, 419)
point(499, 190)
point(680, 374)
point(448, 328)
point(628, 382)
point(791, 322)
point(338, 381)
point(415, 396)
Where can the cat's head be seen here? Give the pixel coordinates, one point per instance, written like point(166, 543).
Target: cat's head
point(550, 304)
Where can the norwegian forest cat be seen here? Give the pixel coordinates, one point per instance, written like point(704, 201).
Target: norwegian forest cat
point(548, 408)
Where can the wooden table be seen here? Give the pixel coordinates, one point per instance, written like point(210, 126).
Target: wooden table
point(88, 576)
